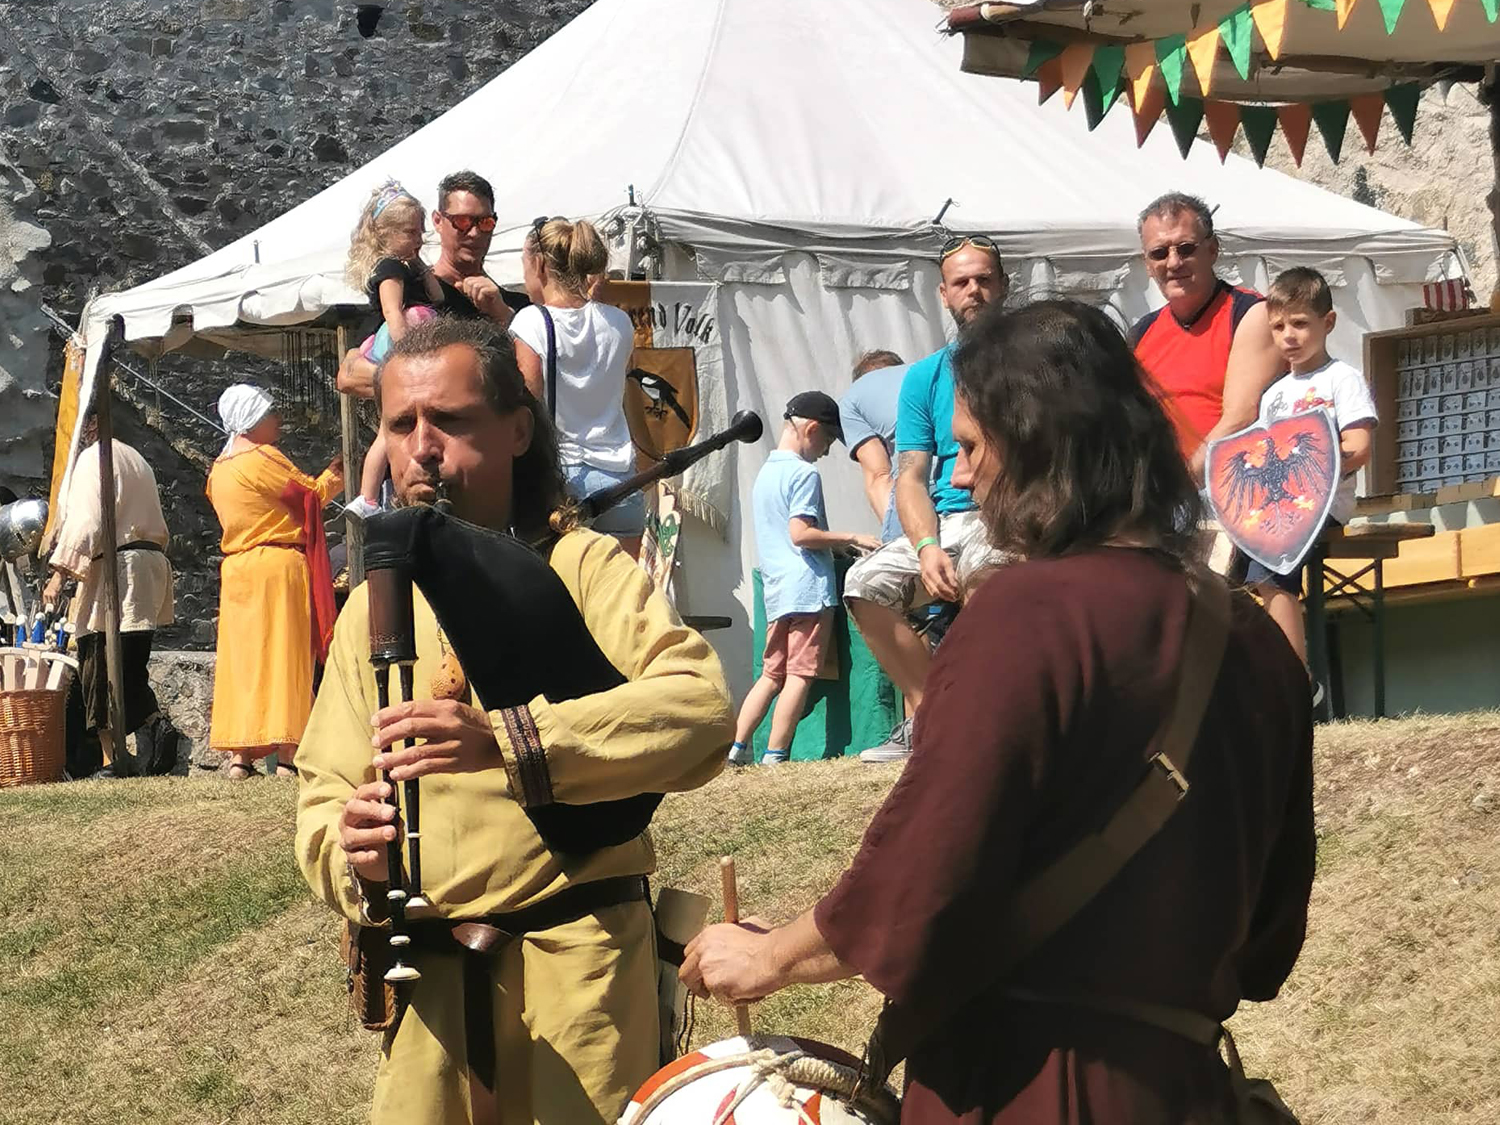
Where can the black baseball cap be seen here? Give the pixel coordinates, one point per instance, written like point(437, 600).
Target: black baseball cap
point(815, 406)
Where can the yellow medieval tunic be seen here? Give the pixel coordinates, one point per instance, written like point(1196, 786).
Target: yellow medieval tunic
point(264, 671)
point(575, 1010)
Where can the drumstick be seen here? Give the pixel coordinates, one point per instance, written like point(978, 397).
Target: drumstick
point(732, 915)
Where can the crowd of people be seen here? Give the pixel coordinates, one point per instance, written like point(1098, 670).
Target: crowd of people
point(1042, 471)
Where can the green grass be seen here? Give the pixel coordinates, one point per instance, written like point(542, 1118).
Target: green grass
point(161, 961)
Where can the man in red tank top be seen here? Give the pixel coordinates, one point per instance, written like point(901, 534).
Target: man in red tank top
point(1209, 349)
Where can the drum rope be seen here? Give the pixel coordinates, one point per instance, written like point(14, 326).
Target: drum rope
point(781, 1073)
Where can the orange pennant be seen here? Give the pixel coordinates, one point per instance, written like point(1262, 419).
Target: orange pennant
point(1343, 8)
point(1296, 120)
point(1203, 49)
point(1366, 110)
point(1075, 61)
point(1147, 109)
point(1140, 66)
point(1270, 21)
point(1440, 12)
point(1223, 122)
point(1048, 80)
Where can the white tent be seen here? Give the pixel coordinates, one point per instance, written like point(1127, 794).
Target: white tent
point(798, 152)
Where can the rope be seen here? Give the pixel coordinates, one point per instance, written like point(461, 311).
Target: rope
point(781, 1074)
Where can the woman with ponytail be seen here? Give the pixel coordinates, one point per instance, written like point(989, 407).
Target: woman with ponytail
point(589, 346)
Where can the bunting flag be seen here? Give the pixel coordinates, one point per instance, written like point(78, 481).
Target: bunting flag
point(1491, 9)
point(1270, 21)
point(1185, 117)
point(1074, 63)
point(1171, 56)
point(1440, 12)
point(1235, 32)
point(1048, 80)
point(1223, 122)
point(1403, 102)
point(1109, 62)
point(1366, 110)
point(1343, 8)
point(1140, 68)
point(1391, 10)
point(1147, 110)
point(1333, 122)
point(1295, 120)
point(1094, 108)
point(1039, 52)
point(1259, 122)
point(1203, 49)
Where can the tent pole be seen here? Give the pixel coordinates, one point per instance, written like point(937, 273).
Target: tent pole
point(113, 652)
point(354, 530)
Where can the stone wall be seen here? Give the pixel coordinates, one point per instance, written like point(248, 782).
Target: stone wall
point(26, 411)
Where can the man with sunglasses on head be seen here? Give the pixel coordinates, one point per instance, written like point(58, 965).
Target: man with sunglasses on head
point(1209, 349)
point(945, 548)
point(465, 223)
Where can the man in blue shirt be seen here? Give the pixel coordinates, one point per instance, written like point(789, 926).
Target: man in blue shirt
point(945, 548)
point(796, 570)
point(867, 413)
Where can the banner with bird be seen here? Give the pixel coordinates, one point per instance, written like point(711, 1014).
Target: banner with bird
point(674, 389)
point(1271, 486)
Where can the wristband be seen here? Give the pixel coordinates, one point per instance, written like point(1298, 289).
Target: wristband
point(928, 541)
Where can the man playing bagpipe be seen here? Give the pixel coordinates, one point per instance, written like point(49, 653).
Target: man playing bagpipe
point(532, 811)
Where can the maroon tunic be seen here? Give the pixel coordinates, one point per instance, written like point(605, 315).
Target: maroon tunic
point(1034, 725)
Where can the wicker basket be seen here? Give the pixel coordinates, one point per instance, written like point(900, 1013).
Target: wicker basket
point(32, 743)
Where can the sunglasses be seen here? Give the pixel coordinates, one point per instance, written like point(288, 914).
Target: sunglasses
point(959, 241)
point(465, 223)
point(1185, 250)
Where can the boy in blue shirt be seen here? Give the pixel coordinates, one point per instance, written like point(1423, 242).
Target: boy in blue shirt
point(796, 570)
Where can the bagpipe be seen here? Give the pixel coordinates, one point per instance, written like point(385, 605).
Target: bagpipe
point(485, 587)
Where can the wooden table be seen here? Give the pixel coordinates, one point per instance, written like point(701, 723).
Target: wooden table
point(1375, 542)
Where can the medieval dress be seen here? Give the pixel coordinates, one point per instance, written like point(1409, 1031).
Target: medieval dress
point(575, 1016)
point(263, 676)
point(1033, 728)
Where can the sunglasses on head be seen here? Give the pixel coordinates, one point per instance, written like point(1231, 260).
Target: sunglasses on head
point(465, 223)
point(959, 241)
point(1184, 250)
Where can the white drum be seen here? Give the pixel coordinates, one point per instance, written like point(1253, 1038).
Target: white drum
point(763, 1080)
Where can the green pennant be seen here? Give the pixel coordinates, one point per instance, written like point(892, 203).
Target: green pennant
point(1402, 102)
point(1093, 100)
point(1391, 10)
point(1491, 9)
point(1235, 32)
point(1259, 123)
point(1109, 62)
point(1332, 119)
point(1042, 51)
point(1171, 55)
point(1185, 117)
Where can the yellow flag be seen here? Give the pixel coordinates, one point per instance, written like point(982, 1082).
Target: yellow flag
point(1076, 58)
point(67, 421)
point(1140, 66)
point(1270, 21)
point(1203, 49)
point(1343, 8)
point(1440, 11)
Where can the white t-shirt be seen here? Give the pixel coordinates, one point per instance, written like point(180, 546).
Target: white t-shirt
point(1337, 388)
point(594, 343)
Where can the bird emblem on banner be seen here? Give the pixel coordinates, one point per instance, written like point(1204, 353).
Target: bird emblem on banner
point(661, 401)
point(1271, 486)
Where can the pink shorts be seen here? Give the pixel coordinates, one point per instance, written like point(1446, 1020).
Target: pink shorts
point(794, 645)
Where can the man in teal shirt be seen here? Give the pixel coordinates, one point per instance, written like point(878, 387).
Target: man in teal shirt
point(945, 547)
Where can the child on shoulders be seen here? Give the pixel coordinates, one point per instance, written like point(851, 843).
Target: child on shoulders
point(796, 567)
point(1301, 313)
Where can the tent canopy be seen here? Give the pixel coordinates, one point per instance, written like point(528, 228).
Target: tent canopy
point(750, 127)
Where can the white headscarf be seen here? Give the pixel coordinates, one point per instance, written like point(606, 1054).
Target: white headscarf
point(240, 408)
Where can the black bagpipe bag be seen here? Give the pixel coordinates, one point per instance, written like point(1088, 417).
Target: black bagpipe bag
point(518, 635)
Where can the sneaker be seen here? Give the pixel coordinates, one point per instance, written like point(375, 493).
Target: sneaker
point(775, 757)
point(741, 756)
point(895, 749)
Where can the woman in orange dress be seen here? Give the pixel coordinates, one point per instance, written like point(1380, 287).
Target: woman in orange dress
point(275, 593)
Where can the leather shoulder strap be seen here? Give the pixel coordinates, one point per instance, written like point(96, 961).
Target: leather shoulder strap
point(551, 362)
point(1046, 902)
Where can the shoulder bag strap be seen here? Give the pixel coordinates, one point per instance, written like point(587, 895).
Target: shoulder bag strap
point(551, 363)
point(1046, 902)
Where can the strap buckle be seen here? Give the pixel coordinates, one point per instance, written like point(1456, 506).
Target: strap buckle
point(1174, 775)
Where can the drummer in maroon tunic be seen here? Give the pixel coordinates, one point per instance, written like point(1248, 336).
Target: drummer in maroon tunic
point(1039, 707)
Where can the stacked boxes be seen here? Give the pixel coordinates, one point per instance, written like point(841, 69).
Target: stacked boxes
point(1447, 409)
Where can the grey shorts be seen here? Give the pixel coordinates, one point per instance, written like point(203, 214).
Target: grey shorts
point(890, 577)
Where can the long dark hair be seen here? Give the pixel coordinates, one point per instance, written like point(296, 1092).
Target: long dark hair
point(540, 504)
point(1083, 449)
